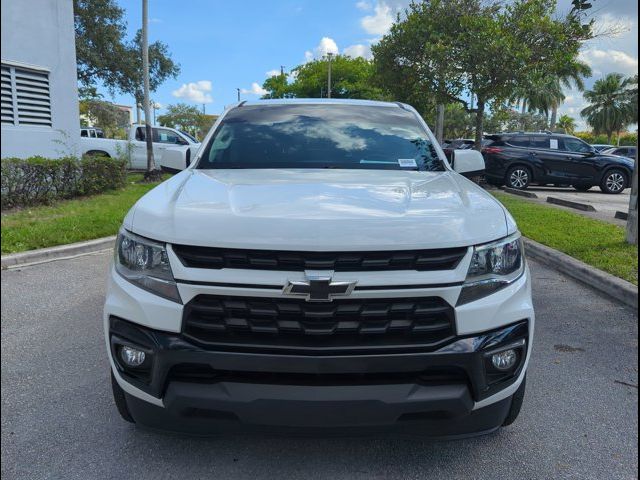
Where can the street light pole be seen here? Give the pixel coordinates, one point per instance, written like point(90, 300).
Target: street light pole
point(238, 93)
point(151, 173)
point(329, 55)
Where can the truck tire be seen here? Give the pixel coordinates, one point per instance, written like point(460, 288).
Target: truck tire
point(516, 404)
point(120, 400)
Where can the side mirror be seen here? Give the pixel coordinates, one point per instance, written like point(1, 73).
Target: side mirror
point(469, 163)
point(174, 159)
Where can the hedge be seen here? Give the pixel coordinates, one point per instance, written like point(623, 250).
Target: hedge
point(625, 139)
point(39, 180)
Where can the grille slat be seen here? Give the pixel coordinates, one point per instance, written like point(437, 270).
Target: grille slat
point(290, 323)
point(218, 258)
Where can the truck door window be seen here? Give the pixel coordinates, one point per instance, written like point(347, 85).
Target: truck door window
point(140, 134)
point(162, 135)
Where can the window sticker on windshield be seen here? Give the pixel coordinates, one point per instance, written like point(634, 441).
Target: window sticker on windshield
point(554, 143)
point(407, 163)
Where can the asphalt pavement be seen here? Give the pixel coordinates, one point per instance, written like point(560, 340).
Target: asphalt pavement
point(579, 419)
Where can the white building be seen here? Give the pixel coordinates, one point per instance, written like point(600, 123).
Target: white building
point(39, 82)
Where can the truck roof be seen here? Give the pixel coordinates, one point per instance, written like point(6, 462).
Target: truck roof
point(313, 101)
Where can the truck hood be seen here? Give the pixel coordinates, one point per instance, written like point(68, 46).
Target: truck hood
point(319, 210)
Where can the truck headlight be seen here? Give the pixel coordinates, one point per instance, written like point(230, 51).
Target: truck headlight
point(493, 266)
point(145, 263)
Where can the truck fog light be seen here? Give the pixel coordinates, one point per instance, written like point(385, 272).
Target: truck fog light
point(504, 360)
point(131, 356)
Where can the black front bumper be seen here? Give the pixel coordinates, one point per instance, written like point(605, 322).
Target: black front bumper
point(204, 390)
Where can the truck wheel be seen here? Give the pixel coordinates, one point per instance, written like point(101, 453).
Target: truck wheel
point(516, 404)
point(121, 401)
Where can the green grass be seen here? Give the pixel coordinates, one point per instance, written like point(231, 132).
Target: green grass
point(594, 242)
point(70, 221)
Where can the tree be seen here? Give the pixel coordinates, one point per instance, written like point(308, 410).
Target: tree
point(100, 31)
point(544, 93)
point(182, 116)
point(461, 48)
point(105, 115)
point(129, 76)
point(567, 123)
point(613, 104)
point(103, 55)
point(277, 86)
point(350, 78)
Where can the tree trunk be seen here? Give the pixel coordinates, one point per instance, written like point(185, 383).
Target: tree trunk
point(554, 118)
point(524, 106)
point(138, 114)
point(440, 123)
point(152, 174)
point(479, 123)
point(632, 220)
point(609, 137)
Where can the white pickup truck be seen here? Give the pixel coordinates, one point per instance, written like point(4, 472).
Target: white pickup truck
point(135, 148)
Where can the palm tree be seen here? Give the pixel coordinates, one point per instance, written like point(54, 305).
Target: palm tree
point(567, 123)
point(544, 93)
point(613, 104)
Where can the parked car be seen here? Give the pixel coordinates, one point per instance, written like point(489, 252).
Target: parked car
point(629, 152)
point(135, 148)
point(522, 159)
point(601, 147)
point(461, 144)
point(320, 264)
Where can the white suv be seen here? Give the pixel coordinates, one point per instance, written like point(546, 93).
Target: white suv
point(320, 265)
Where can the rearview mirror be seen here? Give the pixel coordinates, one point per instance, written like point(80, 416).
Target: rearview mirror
point(175, 159)
point(469, 163)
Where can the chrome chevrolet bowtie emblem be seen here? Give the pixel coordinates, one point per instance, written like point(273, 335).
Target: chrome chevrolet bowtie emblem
point(318, 287)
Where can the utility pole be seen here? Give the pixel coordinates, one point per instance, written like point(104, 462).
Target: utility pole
point(329, 55)
point(238, 93)
point(152, 173)
point(203, 112)
point(632, 219)
point(281, 69)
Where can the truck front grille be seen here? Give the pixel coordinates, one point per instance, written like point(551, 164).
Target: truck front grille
point(288, 324)
point(420, 260)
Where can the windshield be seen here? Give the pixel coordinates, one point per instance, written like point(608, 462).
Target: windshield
point(193, 140)
point(321, 136)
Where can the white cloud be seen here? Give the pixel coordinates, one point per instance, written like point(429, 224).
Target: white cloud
point(196, 92)
point(326, 45)
point(273, 73)
point(255, 89)
point(358, 50)
point(380, 22)
point(603, 62)
point(363, 5)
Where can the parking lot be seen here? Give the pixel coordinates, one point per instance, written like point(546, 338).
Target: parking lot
point(605, 205)
point(58, 419)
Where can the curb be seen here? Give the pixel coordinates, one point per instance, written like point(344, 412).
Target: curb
point(56, 253)
point(521, 193)
point(621, 215)
point(568, 203)
point(603, 282)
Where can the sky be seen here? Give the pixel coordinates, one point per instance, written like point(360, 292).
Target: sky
point(225, 45)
